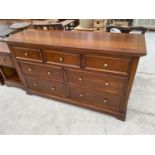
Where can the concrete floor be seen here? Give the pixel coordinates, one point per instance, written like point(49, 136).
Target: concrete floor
point(24, 114)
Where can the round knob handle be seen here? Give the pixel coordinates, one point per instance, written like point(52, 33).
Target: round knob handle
point(61, 59)
point(80, 78)
point(35, 84)
point(81, 95)
point(29, 69)
point(25, 54)
point(49, 73)
point(53, 88)
point(105, 100)
point(106, 83)
point(105, 65)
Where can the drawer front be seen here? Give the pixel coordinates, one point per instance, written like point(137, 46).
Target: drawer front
point(92, 97)
point(99, 23)
point(62, 58)
point(42, 71)
point(107, 64)
point(97, 29)
point(27, 54)
point(5, 60)
point(97, 82)
point(51, 88)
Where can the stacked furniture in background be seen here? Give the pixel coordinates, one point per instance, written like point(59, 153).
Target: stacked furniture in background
point(8, 74)
point(85, 25)
point(100, 25)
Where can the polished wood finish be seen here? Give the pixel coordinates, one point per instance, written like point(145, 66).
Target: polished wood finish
point(96, 81)
point(106, 64)
point(27, 54)
point(102, 43)
point(43, 86)
point(53, 73)
point(91, 70)
point(61, 58)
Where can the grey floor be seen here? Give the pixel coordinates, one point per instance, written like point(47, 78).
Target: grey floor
point(23, 114)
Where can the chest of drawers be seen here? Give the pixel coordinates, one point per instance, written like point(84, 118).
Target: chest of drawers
point(91, 70)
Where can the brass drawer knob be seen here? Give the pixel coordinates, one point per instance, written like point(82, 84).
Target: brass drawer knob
point(105, 65)
point(29, 69)
point(80, 78)
point(53, 88)
point(81, 95)
point(60, 59)
point(106, 83)
point(26, 54)
point(49, 73)
point(35, 84)
point(105, 100)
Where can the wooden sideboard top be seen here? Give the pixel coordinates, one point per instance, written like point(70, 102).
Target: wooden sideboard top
point(4, 47)
point(127, 44)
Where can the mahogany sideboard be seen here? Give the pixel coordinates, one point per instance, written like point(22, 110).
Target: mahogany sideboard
point(93, 70)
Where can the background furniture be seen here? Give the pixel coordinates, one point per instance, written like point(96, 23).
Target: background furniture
point(5, 30)
point(85, 25)
point(8, 74)
point(91, 70)
point(100, 25)
point(128, 29)
point(20, 26)
point(54, 25)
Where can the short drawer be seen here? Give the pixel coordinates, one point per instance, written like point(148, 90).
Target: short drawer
point(43, 86)
point(27, 54)
point(42, 71)
point(107, 64)
point(95, 98)
point(97, 82)
point(99, 23)
point(97, 29)
point(5, 60)
point(61, 58)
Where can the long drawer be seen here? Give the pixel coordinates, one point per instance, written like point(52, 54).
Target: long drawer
point(28, 54)
point(97, 81)
point(60, 58)
point(42, 71)
point(95, 98)
point(43, 86)
point(107, 64)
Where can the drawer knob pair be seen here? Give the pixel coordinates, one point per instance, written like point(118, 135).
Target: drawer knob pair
point(26, 54)
point(61, 59)
point(29, 69)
